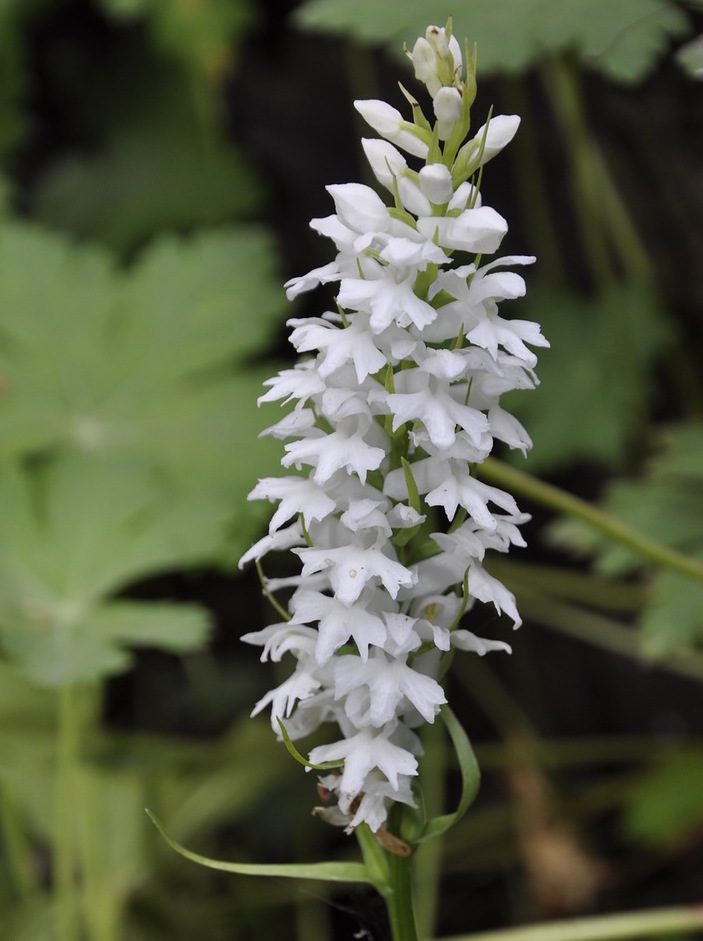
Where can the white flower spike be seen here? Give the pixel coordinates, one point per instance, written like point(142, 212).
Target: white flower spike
point(397, 399)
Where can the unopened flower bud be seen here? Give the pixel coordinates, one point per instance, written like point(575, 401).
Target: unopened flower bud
point(448, 53)
point(389, 123)
point(436, 36)
point(447, 109)
point(436, 183)
point(424, 59)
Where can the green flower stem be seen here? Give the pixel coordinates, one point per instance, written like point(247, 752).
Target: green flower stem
point(86, 906)
point(17, 847)
point(548, 495)
point(64, 850)
point(647, 924)
point(399, 900)
point(392, 876)
point(101, 905)
point(428, 856)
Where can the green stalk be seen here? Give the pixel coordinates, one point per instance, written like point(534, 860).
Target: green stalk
point(17, 847)
point(565, 97)
point(101, 906)
point(391, 874)
point(64, 850)
point(428, 856)
point(555, 499)
point(399, 900)
point(647, 924)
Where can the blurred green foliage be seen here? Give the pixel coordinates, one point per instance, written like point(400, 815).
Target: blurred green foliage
point(127, 391)
point(604, 382)
point(623, 40)
point(666, 503)
point(158, 166)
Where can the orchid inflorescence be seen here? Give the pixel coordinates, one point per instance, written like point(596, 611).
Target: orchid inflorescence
point(397, 404)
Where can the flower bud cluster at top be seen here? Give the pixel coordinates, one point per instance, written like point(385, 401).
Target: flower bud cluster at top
point(398, 400)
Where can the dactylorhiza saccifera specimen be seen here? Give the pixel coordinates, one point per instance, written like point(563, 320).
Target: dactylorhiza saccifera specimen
point(396, 400)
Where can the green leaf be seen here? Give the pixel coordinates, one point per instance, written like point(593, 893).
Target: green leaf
point(323, 872)
point(70, 536)
point(622, 39)
point(602, 381)
point(155, 367)
point(665, 806)
point(470, 777)
point(174, 627)
point(673, 618)
point(690, 57)
point(666, 505)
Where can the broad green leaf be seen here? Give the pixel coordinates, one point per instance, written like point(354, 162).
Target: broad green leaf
point(470, 777)
point(673, 619)
point(322, 872)
point(666, 505)
point(72, 535)
point(201, 303)
point(666, 806)
point(27, 774)
point(23, 704)
point(690, 57)
point(622, 39)
point(173, 627)
point(146, 363)
point(602, 382)
point(669, 514)
point(679, 453)
point(81, 529)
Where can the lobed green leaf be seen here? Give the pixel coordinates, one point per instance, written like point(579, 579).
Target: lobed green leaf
point(622, 40)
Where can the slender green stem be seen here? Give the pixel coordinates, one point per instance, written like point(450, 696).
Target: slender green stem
point(428, 857)
point(375, 858)
point(647, 924)
point(17, 846)
point(101, 905)
point(392, 876)
point(399, 900)
point(561, 88)
point(555, 499)
point(65, 892)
